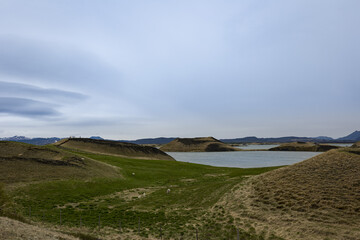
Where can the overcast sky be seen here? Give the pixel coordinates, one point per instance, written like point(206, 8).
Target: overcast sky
point(134, 69)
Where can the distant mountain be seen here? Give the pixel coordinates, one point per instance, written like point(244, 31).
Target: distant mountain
point(253, 139)
point(355, 136)
point(321, 139)
point(324, 138)
point(96, 137)
point(14, 138)
point(160, 140)
point(35, 141)
point(270, 140)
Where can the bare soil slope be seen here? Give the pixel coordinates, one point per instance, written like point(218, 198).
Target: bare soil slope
point(318, 198)
point(114, 148)
point(303, 146)
point(21, 162)
point(15, 230)
point(201, 144)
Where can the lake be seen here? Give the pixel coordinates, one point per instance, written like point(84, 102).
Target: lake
point(341, 144)
point(243, 159)
point(256, 146)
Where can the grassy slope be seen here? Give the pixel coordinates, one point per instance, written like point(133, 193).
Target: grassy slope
point(318, 198)
point(120, 149)
point(194, 191)
point(21, 162)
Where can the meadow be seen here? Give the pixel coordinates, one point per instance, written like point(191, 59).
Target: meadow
point(138, 203)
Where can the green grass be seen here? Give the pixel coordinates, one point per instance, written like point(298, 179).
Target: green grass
point(194, 190)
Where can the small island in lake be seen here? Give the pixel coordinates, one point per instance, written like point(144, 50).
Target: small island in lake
point(304, 146)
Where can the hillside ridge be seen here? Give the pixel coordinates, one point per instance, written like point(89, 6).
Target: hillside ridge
point(198, 144)
point(113, 148)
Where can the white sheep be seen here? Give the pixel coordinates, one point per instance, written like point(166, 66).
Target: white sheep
point(168, 191)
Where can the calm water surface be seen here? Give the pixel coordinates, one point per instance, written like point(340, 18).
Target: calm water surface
point(250, 146)
point(341, 144)
point(243, 159)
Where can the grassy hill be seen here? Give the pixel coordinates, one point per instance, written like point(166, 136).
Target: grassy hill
point(315, 199)
point(21, 162)
point(139, 194)
point(303, 146)
point(201, 144)
point(113, 148)
point(318, 198)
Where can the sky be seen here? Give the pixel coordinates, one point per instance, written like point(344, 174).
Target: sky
point(135, 69)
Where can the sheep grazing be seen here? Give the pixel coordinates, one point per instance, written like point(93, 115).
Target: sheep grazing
point(133, 174)
point(168, 191)
point(142, 195)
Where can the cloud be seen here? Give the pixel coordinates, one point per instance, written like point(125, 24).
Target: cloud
point(27, 107)
point(49, 62)
point(185, 65)
point(9, 89)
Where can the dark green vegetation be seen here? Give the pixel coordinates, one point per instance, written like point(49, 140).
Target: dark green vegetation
point(303, 146)
point(201, 144)
point(138, 199)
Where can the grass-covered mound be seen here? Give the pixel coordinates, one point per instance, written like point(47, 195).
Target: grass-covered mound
point(201, 144)
point(356, 145)
point(22, 162)
point(318, 198)
point(328, 182)
point(303, 146)
point(113, 148)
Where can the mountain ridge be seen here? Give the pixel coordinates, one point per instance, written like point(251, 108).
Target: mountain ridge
point(351, 138)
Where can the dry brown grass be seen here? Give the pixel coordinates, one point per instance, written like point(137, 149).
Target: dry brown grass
point(202, 144)
point(318, 198)
point(114, 148)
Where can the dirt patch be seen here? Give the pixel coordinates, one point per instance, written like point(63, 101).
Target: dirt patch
point(215, 175)
point(126, 195)
point(15, 230)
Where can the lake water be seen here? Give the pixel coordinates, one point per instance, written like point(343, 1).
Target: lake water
point(255, 146)
point(243, 159)
point(341, 144)
point(268, 146)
